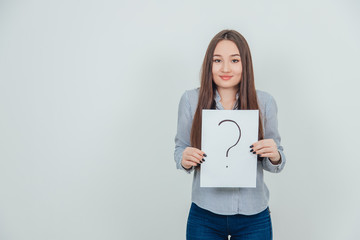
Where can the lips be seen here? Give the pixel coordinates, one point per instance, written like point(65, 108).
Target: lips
point(225, 77)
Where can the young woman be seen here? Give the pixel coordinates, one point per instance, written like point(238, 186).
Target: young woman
point(227, 82)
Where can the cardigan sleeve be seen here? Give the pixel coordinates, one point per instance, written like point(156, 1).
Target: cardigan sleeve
point(271, 131)
point(182, 138)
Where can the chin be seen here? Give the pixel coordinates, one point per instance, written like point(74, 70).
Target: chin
point(228, 85)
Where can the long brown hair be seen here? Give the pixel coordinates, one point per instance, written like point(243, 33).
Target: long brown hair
point(246, 88)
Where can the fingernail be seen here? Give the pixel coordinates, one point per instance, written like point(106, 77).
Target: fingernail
point(254, 152)
point(205, 155)
point(251, 146)
point(251, 150)
point(203, 160)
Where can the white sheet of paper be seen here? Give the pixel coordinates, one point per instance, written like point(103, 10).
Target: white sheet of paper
point(238, 169)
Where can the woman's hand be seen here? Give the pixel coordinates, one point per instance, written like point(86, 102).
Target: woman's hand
point(267, 148)
point(192, 157)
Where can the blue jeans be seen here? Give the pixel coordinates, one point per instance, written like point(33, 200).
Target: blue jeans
point(203, 224)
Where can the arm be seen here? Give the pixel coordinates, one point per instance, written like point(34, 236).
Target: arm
point(272, 132)
point(182, 138)
point(270, 148)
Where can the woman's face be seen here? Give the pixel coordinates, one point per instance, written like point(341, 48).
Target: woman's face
point(226, 65)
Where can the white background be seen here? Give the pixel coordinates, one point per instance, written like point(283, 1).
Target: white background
point(89, 92)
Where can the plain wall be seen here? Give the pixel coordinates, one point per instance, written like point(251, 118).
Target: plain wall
point(89, 92)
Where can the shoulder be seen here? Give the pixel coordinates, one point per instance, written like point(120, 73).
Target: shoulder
point(189, 99)
point(263, 96)
point(266, 101)
point(192, 93)
point(190, 96)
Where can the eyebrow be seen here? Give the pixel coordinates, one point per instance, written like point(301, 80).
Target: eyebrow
point(233, 55)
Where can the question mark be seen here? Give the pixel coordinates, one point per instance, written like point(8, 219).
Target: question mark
point(228, 120)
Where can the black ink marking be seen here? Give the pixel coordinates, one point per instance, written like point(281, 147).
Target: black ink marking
point(228, 120)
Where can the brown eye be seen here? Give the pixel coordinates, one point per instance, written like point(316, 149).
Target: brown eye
point(216, 60)
point(235, 60)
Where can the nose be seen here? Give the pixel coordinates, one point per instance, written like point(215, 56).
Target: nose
point(225, 67)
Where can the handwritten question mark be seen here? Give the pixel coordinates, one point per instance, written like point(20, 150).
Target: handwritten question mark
point(228, 120)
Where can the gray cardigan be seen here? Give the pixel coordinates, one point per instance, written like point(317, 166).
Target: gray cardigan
point(229, 201)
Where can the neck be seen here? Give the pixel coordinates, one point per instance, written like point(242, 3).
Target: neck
point(227, 94)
